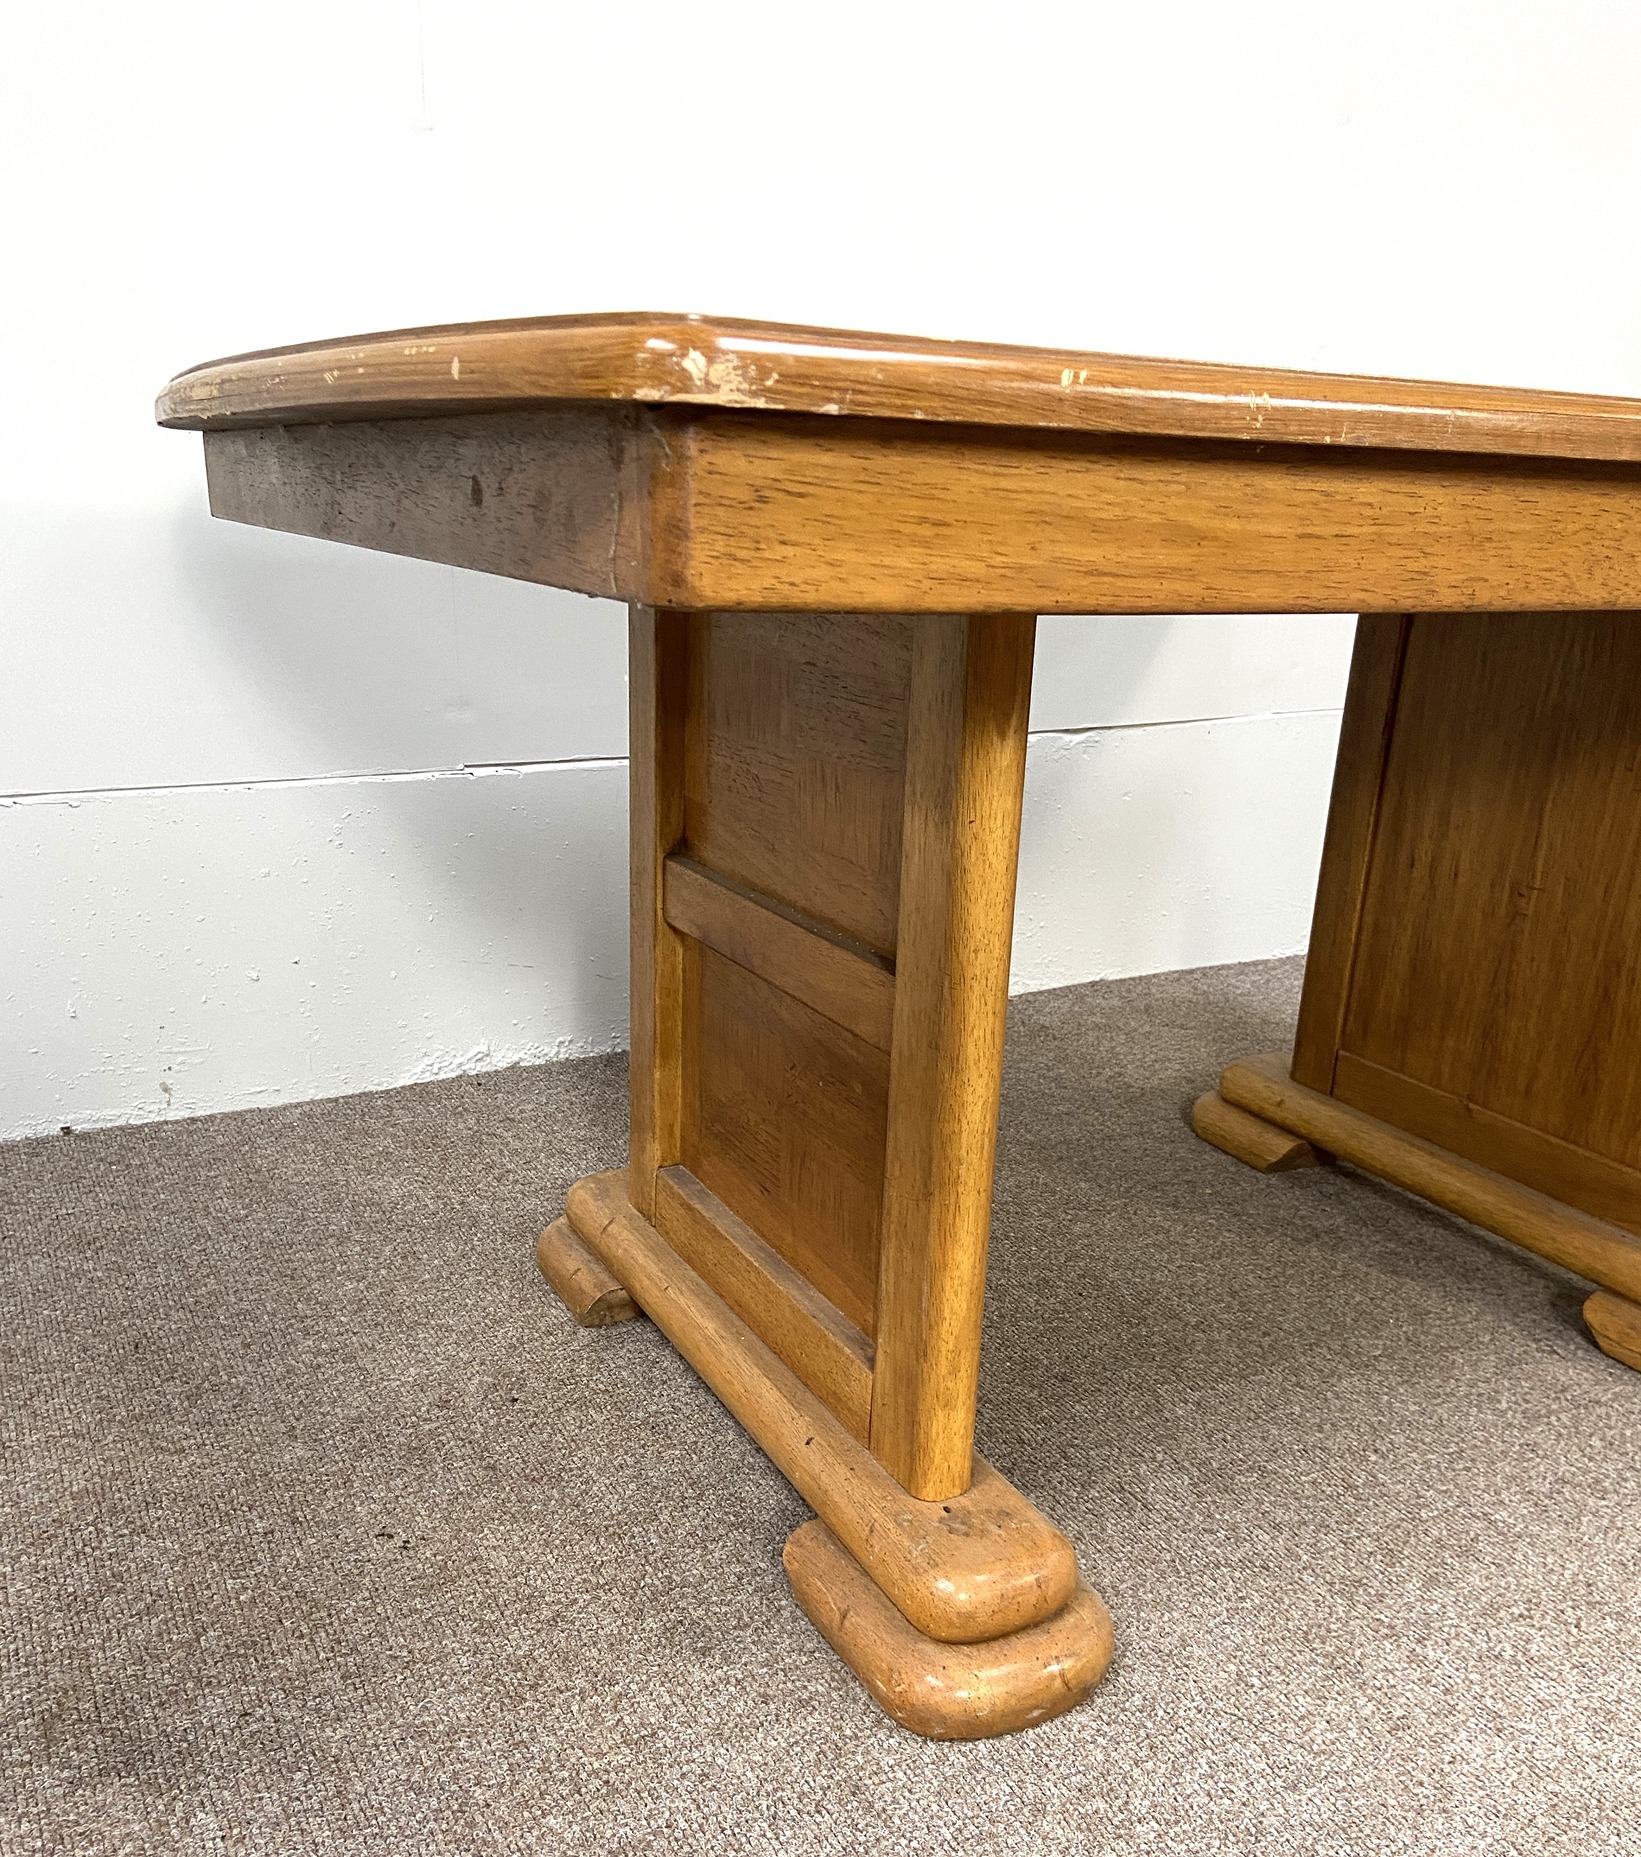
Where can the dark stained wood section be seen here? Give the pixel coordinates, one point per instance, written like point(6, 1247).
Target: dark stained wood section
point(717, 362)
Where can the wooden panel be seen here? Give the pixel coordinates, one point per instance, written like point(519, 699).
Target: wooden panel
point(656, 690)
point(1499, 959)
point(828, 1353)
point(796, 762)
point(839, 978)
point(720, 362)
point(551, 496)
point(971, 687)
point(1590, 1181)
point(850, 514)
point(1364, 742)
point(1606, 1254)
point(784, 1117)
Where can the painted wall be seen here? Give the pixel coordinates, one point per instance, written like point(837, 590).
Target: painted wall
point(279, 820)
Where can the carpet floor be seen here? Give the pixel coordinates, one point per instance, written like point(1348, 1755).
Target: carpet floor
point(325, 1531)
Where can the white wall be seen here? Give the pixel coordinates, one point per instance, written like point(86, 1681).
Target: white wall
point(278, 819)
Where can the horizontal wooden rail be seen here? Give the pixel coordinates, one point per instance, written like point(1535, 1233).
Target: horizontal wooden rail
point(821, 1346)
point(1605, 1254)
point(844, 982)
point(969, 1569)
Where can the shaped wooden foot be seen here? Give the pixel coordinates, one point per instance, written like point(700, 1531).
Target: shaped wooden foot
point(580, 1281)
point(1615, 1322)
point(964, 1618)
point(949, 1692)
point(1258, 1144)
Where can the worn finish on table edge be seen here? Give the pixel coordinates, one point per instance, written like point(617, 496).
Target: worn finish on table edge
point(720, 362)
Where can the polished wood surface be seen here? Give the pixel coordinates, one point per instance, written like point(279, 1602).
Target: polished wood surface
point(947, 1692)
point(657, 506)
point(717, 362)
point(1591, 1248)
point(978, 1566)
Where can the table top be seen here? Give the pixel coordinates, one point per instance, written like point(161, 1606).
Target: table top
point(716, 362)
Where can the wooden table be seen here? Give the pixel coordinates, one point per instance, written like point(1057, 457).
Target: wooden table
point(833, 547)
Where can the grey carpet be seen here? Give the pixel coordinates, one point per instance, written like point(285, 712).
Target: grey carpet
point(325, 1531)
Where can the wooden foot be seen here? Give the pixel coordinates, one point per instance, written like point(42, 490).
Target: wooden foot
point(949, 1692)
point(1615, 1322)
point(580, 1281)
point(1248, 1138)
point(975, 1566)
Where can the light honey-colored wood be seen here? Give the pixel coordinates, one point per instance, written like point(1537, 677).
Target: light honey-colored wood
point(1615, 1322)
point(965, 772)
point(826, 770)
point(948, 1692)
point(717, 362)
point(779, 1304)
point(977, 1566)
point(656, 693)
point(657, 505)
point(579, 1280)
point(1256, 1143)
point(1602, 1253)
point(842, 980)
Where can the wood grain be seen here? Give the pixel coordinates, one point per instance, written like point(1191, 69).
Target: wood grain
point(975, 1567)
point(842, 980)
point(948, 1692)
point(1601, 1187)
point(1364, 742)
point(1616, 1325)
point(1588, 1247)
point(579, 1280)
point(559, 496)
point(1256, 1143)
point(874, 517)
point(651, 358)
point(656, 691)
point(965, 771)
point(1499, 954)
point(828, 1353)
point(784, 1119)
point(796, 763)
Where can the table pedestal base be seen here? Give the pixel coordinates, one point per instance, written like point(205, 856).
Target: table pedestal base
point(1258, 1108)
point(964, 1618)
